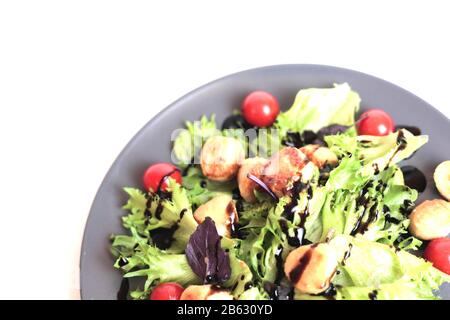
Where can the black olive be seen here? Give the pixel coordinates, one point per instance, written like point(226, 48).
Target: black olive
point(414, 130)
point(309, 136)
point(414, 178)
point(235, 122)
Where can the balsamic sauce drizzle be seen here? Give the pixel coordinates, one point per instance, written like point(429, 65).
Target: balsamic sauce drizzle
point(347, 254)
point(122, 262)
point(401, 145)
point(289, 212)
point(293, 241)
point(373, 295)
point(330, 293)
point(162, 237)
point(163, 180)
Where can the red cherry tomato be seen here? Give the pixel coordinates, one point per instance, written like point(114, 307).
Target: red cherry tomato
point(438, 252)
point(375, 122)
point(167, 291)
point(156, 172)
point(260, 109)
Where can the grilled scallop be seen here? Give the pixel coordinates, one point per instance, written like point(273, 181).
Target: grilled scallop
point(222, 210)
point(205, 292)
point(442, 179)
point(311, 268)
point(254, 166)
point(283, 169)
point(221, 157)
point(430, 220)
point(320, 156)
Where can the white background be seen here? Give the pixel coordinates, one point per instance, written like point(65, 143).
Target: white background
point(79, 78)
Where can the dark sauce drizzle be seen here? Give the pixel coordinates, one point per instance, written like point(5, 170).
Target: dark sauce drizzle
point(162, 237)
point(414, 130)
point(122, 262)
point(163, 179)
point(376, 168)
point(293, 241)
point(401, 145)
point(347, 254)
point(289, 209)
point(289, 213)
point(159, 210)
point(330, 293)
point(360, 226)
point(358, 223)
point(407, 208)
point(365, 200)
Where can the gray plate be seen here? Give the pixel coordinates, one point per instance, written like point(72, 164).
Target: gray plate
point(152, 144)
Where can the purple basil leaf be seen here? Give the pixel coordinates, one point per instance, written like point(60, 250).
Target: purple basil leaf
point(205, 255)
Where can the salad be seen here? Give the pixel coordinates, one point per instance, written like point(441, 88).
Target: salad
point(306, 204)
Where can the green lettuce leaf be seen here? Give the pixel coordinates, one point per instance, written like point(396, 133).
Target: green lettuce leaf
point(367, 188)
point(347, 175)
point(200, 189)
point(378, 271)
point(344, 144)
point(316, 108)
point(260, 247)
point(313, 206)
point(374, 208)
point(240, 276)
point(155, 265)
point(254, 212)
point(380, 152)
point(377, 153)
point(136, 205)
point(149, 213)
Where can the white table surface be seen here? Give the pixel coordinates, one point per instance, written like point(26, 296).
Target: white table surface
point(78, 79)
